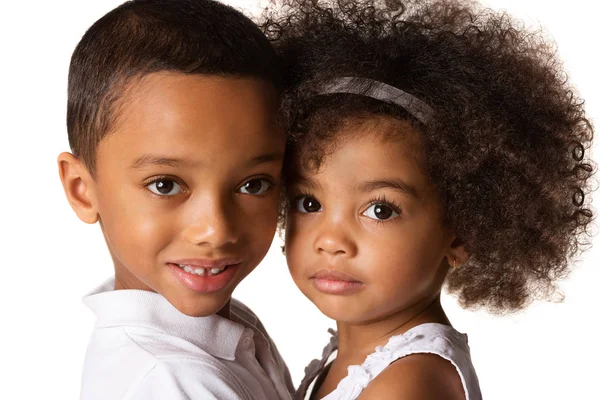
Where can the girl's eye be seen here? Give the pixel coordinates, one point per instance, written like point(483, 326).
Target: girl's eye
point(307, 204)
point(380, 212)
point(256, 187)
point(165, 187)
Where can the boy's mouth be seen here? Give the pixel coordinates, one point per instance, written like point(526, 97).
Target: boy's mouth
point(205, 275)
point(202, 271)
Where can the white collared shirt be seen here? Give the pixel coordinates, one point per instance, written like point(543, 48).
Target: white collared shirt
point(144, 348)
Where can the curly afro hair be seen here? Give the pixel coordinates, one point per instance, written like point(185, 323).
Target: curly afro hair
point(507, 149)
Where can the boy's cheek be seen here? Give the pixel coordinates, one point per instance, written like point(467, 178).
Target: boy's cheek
point(130, 229)
point(263, 215)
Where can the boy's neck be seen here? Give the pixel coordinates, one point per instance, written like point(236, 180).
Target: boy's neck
point(225, 312)
point(362, 339)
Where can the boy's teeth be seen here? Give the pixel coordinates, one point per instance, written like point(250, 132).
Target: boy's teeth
point(202, 271)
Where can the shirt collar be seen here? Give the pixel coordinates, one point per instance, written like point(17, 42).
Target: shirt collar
point(214, 334)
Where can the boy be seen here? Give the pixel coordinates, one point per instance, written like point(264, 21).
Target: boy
point(176, 152)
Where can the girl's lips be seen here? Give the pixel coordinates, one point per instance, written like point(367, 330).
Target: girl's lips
point(334, 275)
point(335, 282)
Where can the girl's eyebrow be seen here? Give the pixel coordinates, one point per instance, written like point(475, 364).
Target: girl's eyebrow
point(397, 184)
point(303, 181)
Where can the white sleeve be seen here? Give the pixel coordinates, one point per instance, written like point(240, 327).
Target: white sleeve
point(189, 380)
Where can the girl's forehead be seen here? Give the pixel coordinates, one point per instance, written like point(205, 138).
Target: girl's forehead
point(371, 152)
point(370, 163)
point(361, 160)
point(376, 139)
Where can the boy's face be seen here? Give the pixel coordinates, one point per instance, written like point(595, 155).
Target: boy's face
point(187, 186)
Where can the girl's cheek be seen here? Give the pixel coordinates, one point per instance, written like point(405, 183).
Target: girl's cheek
point(296, 250)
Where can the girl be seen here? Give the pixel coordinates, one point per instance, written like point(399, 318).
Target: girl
point(430, 143)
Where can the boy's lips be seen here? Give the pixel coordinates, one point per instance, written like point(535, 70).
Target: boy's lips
point(207, 262)
point(205, 275)
point(335, 282)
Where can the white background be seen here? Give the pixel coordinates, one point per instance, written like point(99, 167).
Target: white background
point(51, 259)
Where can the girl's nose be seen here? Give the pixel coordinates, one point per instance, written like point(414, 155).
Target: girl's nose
point(334, 240)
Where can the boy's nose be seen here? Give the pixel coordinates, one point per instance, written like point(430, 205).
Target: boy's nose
point(214, 226)
point(334, 240)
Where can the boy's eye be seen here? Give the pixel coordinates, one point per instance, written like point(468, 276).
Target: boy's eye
point(380, 212)
point(307, 204)
point(165, 187)
point(255, 187)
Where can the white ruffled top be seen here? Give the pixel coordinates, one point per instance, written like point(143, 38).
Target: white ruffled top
point(431, 338)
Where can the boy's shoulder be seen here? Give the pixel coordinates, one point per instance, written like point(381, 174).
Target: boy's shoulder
point(242, 312)
point(132, 363)
point(142, 345)
point(245, 315)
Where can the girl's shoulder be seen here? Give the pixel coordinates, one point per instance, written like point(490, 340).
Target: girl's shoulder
point(418, 376)
point(439, 365)
point(429, 358)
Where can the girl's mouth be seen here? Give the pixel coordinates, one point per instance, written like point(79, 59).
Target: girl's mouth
point(333, 275)
point(335, 282)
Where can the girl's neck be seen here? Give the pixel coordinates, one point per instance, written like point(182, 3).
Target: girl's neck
point(365, 337)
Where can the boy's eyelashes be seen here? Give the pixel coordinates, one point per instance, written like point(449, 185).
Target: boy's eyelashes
point(257, 186)
point(379, 209)
point(165, 186)
point(168, 186)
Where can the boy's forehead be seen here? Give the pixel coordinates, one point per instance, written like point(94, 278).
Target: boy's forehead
point(170, 100)
point(169, 90)
point(177, 116)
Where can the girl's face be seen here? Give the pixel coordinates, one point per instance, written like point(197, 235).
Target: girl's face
point(365, 237)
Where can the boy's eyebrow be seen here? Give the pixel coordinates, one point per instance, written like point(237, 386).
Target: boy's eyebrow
point(157, 160)
point(397, 184)
point(266, 158)
point(178, 162)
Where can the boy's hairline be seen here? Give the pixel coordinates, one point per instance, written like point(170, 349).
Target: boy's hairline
point(109, 113)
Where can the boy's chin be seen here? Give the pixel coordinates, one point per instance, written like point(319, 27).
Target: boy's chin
point(215, 303)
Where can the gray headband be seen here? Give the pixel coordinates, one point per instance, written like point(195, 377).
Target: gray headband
point(380, 91)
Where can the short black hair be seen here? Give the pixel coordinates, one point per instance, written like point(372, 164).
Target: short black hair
point(144, 36)
point(507, 147)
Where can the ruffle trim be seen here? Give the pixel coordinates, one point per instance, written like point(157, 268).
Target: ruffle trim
point(359, 376)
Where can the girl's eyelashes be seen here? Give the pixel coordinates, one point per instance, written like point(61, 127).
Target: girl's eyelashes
point(382, 210)
point(256, 186)
point(164, 186)
point(379, 209)
point(305, 203)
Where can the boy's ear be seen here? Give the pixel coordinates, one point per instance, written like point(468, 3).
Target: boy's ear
point(79, 187)
point(457, 254)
